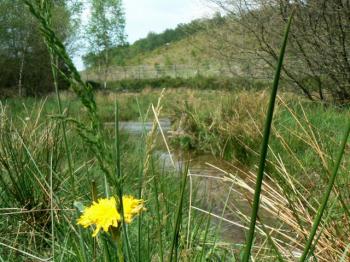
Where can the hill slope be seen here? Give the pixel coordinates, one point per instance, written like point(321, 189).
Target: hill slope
point(179, 45)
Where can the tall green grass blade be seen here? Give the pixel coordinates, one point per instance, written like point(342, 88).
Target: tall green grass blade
point(81, 241)
point(83, 91)
point(94, 198)
point(94, 194)
point(148, 242)
point(320, 232)
point(26, 254)
point(196, 230)
point(54, 62)
point(140, 187)
point(177, 226)
point(205, 236)
point(159, 219)
point(51, 211)
point(119, 181)
point(265, 143)
point(344, 257)
point(139, 219)
point(271, 242)
point(218, 227)
point(64, 247)
point(326, 195)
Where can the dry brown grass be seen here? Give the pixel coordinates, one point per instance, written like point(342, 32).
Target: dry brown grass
point(289, 201)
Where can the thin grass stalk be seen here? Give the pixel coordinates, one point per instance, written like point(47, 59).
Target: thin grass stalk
point(141, 178)
point(119, 184)
point(269, 239)
point(119, 243)
point(284, 187)
point(271, 242)
point(159, 220)
point(106, 252)
point(188, 239)
point(54, 63)
point(139, 219)
point(264, 147)
point(345, 254)
point(326, 195)
point(63, 247)
point(81, 241)
point(54, 66)
point(22, 252)
point(205, 236)
point(320, 233)
point(148, 242)
point(218, 227)
point(197, 227)
point(51, 211)
point(140, 187)
point(94, 199)
point(173, 247)
point(84, 91)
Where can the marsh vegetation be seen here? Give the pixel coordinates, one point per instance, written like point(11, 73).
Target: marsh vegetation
point(171, 169)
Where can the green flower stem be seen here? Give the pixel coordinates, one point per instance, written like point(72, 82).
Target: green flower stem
point(264, 147)
point(94, 198)
point(178, 219)
point(119, 180)
point(323, 206)
point(116, 236)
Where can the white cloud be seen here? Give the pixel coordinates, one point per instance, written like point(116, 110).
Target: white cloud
point(202, 8)
point(157, 15)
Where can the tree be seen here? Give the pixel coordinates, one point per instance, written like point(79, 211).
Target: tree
point(24, 60)
point(105, 31)
point(318, 57)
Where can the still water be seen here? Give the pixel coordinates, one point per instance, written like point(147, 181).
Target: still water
point(206, 180)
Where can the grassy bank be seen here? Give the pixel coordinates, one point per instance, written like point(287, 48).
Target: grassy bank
point(225, 124)
point(41, 200)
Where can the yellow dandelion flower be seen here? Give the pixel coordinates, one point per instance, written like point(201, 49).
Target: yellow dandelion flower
point(132, 207)
point(103, 214)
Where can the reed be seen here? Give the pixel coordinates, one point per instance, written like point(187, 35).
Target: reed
point(264, 147)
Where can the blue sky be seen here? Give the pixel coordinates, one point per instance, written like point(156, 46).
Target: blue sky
point(143, 16)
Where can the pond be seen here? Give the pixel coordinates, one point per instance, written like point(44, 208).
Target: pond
point(206, 179)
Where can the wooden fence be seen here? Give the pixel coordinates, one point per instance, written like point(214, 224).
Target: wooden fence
point(116, 73)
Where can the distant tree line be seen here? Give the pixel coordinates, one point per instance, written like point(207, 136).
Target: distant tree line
point(24, 60)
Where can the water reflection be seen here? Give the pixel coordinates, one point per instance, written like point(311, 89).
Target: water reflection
point(212, 189)
point(208, 183)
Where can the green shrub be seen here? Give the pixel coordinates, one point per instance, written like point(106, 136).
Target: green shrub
point(198, 82)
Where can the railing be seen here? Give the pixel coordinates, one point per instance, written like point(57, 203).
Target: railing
point(116, 73)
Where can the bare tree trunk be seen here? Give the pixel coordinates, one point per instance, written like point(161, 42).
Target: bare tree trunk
point(20, 76)
point(106, 69)
point(99, 70)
